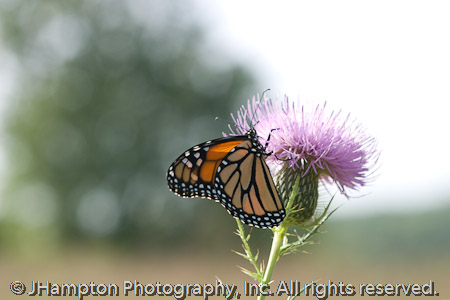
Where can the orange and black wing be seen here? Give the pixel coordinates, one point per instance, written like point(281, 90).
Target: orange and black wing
point(232, 171)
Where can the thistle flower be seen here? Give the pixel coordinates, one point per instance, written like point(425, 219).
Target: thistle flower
point(306, 147)
point(315, 144)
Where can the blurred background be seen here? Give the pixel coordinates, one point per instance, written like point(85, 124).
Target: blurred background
point(98, 98)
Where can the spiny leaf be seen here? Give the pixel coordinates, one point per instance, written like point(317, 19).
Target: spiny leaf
point(240, 254)
point(251, 274)
point(257, 255)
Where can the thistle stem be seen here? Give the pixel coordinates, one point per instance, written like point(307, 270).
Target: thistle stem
point(277, 242)
point(278, 238)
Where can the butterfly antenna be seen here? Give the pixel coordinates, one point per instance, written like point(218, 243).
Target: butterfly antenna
point(262, 95)
point(228, 123)
point(258, 103)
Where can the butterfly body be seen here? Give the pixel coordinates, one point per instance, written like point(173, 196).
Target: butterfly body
point(230, 170)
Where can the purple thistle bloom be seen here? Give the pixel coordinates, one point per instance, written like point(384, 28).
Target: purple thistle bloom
point(336, 149)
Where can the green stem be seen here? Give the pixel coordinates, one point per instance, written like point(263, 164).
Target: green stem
point(278, 238)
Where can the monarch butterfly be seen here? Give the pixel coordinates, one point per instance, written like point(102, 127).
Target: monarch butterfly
point(230, 170)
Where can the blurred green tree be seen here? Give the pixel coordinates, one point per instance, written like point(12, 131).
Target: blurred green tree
point(108, 94)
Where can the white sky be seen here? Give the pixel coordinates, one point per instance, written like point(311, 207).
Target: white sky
point(385, 62)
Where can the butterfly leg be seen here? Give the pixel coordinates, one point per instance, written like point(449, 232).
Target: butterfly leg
point(268, 138)
point(267, 143)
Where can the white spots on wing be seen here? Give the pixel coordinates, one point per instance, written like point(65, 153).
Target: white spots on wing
point(199, 162)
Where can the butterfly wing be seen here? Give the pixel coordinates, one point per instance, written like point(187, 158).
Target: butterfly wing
point(232, 171)
point(192, 174)
point(248, 190)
